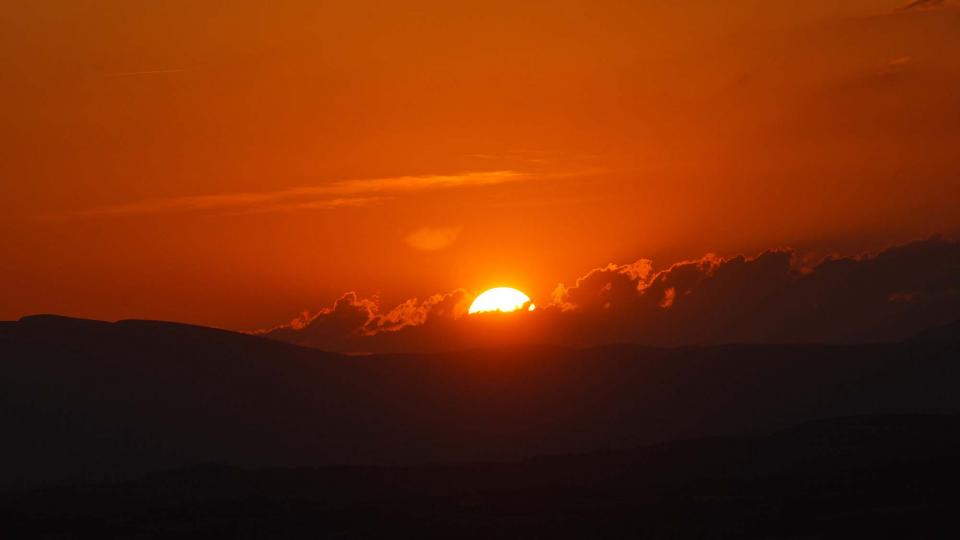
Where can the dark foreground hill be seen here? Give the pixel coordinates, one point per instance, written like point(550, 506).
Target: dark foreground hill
point(87, 401)
point(862, 477)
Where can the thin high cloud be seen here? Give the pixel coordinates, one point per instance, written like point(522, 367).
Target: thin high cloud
point(775, 296)
point(343, 193)
point(912, 6)
point(923, 4)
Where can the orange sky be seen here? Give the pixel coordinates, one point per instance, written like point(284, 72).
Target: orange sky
point(231, 166)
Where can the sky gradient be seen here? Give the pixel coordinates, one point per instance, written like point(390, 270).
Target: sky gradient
point(233, 165)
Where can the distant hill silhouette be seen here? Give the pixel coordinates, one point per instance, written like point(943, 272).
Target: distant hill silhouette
point(861, 477)
point(946, 334)
point(90, 401)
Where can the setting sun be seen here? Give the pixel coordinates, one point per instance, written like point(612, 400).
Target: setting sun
point(500, 299)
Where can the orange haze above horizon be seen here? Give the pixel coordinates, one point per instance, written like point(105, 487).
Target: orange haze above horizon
point(234, 165)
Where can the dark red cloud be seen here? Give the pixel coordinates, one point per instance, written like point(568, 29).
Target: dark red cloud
point(771, 297)
point(352, 323)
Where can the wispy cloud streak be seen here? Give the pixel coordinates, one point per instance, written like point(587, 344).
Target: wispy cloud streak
point(922, 4)
point(343, 193)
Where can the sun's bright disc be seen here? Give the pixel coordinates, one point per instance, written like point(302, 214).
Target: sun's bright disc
point(500, 299)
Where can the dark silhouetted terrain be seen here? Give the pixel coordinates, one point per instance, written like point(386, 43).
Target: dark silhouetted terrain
point(862, 477)
point(312, 441)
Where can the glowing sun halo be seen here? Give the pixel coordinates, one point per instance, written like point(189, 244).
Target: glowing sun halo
point(500, 299)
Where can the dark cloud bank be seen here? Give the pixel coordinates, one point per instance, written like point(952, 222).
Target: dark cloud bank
point(772, 297)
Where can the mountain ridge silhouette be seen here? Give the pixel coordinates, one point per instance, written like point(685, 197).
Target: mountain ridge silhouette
point(87, 400)
point(884, 476)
